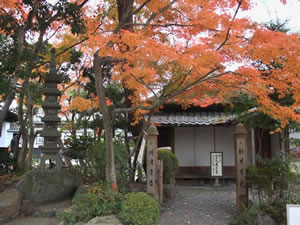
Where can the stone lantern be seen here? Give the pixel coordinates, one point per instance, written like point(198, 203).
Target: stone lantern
point(51, 107)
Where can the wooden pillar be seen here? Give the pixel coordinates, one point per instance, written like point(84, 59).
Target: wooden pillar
point(241, 159)
point(152, 184)
point(160, 181)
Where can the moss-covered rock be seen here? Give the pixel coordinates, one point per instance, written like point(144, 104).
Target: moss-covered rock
point(48, 186)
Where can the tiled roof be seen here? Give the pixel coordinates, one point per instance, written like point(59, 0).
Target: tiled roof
point(192, 118)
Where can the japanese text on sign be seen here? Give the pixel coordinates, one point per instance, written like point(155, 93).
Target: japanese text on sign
point(216, 164)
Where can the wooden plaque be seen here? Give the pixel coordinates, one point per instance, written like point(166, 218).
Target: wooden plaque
point(216, 164)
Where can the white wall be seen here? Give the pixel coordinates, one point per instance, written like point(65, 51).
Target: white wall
point(225, 144)
point(194, 144)
point(184, 146)
point(5, 136)
point(204, 144)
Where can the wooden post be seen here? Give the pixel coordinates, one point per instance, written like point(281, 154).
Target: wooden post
point(152, 186)
point(241, 159)
point(160, 180)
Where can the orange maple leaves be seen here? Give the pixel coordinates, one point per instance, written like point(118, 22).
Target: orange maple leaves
point(171, 46)
point(81, 104)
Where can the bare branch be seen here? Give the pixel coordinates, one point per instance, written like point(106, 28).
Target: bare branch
point(153, 15)
point(229, 28)
point(210, 75)
point(52, 35)
point(101, 21)
point(164, 25)
point(181, 13)
point(143, 83)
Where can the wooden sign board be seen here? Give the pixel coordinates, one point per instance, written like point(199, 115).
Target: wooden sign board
point(293, 214)
point(241, 168)
point(216, 164)
point(241, 164)
point(151, 167)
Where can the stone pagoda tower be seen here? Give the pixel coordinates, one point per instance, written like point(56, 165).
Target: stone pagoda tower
point(51, 106)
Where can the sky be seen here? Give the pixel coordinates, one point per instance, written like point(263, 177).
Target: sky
point(267, 10)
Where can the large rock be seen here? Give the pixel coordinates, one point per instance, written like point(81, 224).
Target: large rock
point(105, 220)
point(44, 186)
point(10, 204)
point(27, 208)
point(264, 219)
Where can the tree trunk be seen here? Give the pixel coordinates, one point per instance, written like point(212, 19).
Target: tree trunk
point(31, 136)
point(5, 108)
point(22, 121)
point(110, 171)
point(125, 22)
point(14, 81)
point(23, 152)
point(284, 137)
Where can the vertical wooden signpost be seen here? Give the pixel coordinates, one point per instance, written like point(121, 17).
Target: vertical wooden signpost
point(241, 153)
point(152, 185)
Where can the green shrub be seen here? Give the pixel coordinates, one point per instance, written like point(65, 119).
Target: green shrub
point(6, 162)
point(170, 164)
point(96, 157)
point(272, 186)
point(140, 209)
point(272, 181)
point(100, 200)
point(78, 147)
point(247, 216)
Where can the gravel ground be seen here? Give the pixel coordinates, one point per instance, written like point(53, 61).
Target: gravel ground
point(200, 205)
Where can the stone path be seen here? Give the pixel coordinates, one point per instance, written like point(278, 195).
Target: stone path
point(200, 205)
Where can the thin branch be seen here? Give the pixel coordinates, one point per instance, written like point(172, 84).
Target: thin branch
point(63, 51)
point(229, 29)
point(101, 21)
point(143, 83)
point(164, 25)
point(159, 102)
point(144, 129)
point(153, 15)
point(181, 13)
point(52, 34)
point(83, 3)
point(179, 85)
point(140, 8)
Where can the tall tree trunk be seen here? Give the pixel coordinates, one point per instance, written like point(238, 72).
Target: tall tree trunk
point(22, 121)
point(125, 22)
point(31, 136)
point(23, 151)
point(110, 171)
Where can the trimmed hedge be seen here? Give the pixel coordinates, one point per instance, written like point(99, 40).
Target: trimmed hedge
point(140, 208)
